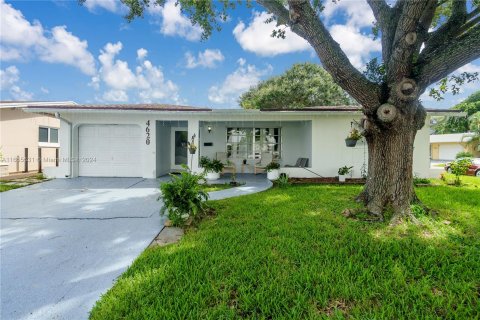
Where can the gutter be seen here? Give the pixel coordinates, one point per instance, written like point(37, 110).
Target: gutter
point(70, 171)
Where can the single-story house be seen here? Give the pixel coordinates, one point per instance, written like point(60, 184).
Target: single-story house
point(446, 146)
point(150, 140)
point(28, 141)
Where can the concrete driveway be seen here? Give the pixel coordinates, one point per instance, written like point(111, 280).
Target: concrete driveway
point(65, 241)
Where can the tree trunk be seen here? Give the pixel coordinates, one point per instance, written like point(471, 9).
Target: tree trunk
point(390, 160)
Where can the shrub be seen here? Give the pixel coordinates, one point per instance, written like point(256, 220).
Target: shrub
point(283, 181)
point(211, 165)
point(272, 166)
point(183, 197)
point(344, 170)
point(464, 154)
point(418, 180)
point(460, 167)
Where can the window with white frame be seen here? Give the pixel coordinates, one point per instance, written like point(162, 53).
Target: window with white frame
point(47, 135)
point(250, 143)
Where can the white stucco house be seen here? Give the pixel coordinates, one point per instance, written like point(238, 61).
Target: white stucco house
point(445, 147)
point(150, 140)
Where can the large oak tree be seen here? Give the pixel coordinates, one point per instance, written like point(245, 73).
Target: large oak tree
point(418, 50)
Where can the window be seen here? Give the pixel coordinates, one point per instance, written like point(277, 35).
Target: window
point(53, 135)
point(47, 135)
point(250, 143)
point(43, 135)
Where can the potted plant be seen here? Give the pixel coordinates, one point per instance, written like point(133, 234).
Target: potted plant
point(192, 147)
point(212, 168)
point(273, 171)
point(342, 173)
point(352, 138)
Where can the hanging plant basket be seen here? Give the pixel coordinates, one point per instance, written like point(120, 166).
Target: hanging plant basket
point(350, 142)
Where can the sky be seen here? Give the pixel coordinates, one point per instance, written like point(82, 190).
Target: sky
point(61, 50)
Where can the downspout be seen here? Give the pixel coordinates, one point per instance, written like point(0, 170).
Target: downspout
point(70, 169)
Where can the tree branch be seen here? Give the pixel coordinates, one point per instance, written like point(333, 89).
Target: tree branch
point(381, 11)
point(304, 21)
point(457, 18)
point(406, 40)
point(449, 58)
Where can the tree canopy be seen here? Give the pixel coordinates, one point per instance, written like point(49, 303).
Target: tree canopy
point(471, 106)
point(303, 85)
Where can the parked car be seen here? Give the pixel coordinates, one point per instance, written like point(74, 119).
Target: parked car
point(473, 170)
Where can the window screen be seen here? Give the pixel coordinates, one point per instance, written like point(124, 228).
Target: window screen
point(43, 134)
point(54, 135)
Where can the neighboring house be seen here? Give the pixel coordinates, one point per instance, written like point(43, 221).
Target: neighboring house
point(28, 141)
point(150, 140)
point(446, 146)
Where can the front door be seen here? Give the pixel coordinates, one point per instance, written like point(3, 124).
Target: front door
point(179, 148)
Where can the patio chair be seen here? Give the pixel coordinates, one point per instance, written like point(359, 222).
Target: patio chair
point(228, 166)
point(301, 163)
point(266, 158)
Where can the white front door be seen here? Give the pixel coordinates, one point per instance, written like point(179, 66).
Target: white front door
point(110, 151)
point(179, 148)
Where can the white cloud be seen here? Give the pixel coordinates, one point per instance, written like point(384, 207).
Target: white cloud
point(21, 40)
point(173, 23)
point(110, 5)
point(469, 67)
point(206, 59)
point(142, 53)
point(9, 78)
point(44, 90)
point(64, 47)
point(356, 13)
point(256, 37)
point(147, 82)
point(242, 79)
point(357, 46)
point(115, 96)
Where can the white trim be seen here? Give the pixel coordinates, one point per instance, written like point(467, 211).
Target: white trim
point(49, 144)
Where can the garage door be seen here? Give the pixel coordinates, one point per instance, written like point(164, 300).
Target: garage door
point(449, 151)
point(110, 151)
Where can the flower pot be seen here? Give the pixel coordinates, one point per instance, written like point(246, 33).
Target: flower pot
point(350, 142)
point(192, 151)
point(273, 174)
point(212, 176)
point(342, 177)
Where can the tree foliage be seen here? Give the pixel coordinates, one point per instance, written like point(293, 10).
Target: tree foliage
point(303, 85)
point(471, 106)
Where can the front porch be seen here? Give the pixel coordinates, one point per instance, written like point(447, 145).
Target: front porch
point(247, 145)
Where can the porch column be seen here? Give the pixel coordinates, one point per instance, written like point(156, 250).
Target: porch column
point(194, 129)
point(149, 141)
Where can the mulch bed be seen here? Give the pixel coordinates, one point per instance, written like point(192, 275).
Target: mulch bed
point(326, 180)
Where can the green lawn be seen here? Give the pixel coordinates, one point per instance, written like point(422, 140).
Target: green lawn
point(290, 254)
point(4, 187)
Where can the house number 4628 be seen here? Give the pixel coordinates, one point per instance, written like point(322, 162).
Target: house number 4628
point(147, 131)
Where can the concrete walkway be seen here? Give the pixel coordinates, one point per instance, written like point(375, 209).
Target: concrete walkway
point(64, 242)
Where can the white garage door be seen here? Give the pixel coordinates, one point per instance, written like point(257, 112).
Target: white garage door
point(110, 151)
point(449, 151)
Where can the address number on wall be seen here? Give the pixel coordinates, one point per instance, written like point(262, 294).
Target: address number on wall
point(147, 132)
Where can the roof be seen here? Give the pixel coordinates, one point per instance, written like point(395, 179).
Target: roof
point(451, 137)
point(24, 104)
point(351, 108)
point(57, 106)
point(138, 107)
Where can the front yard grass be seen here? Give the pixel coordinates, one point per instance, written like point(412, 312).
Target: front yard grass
point(6, 187)
point(290, 254)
